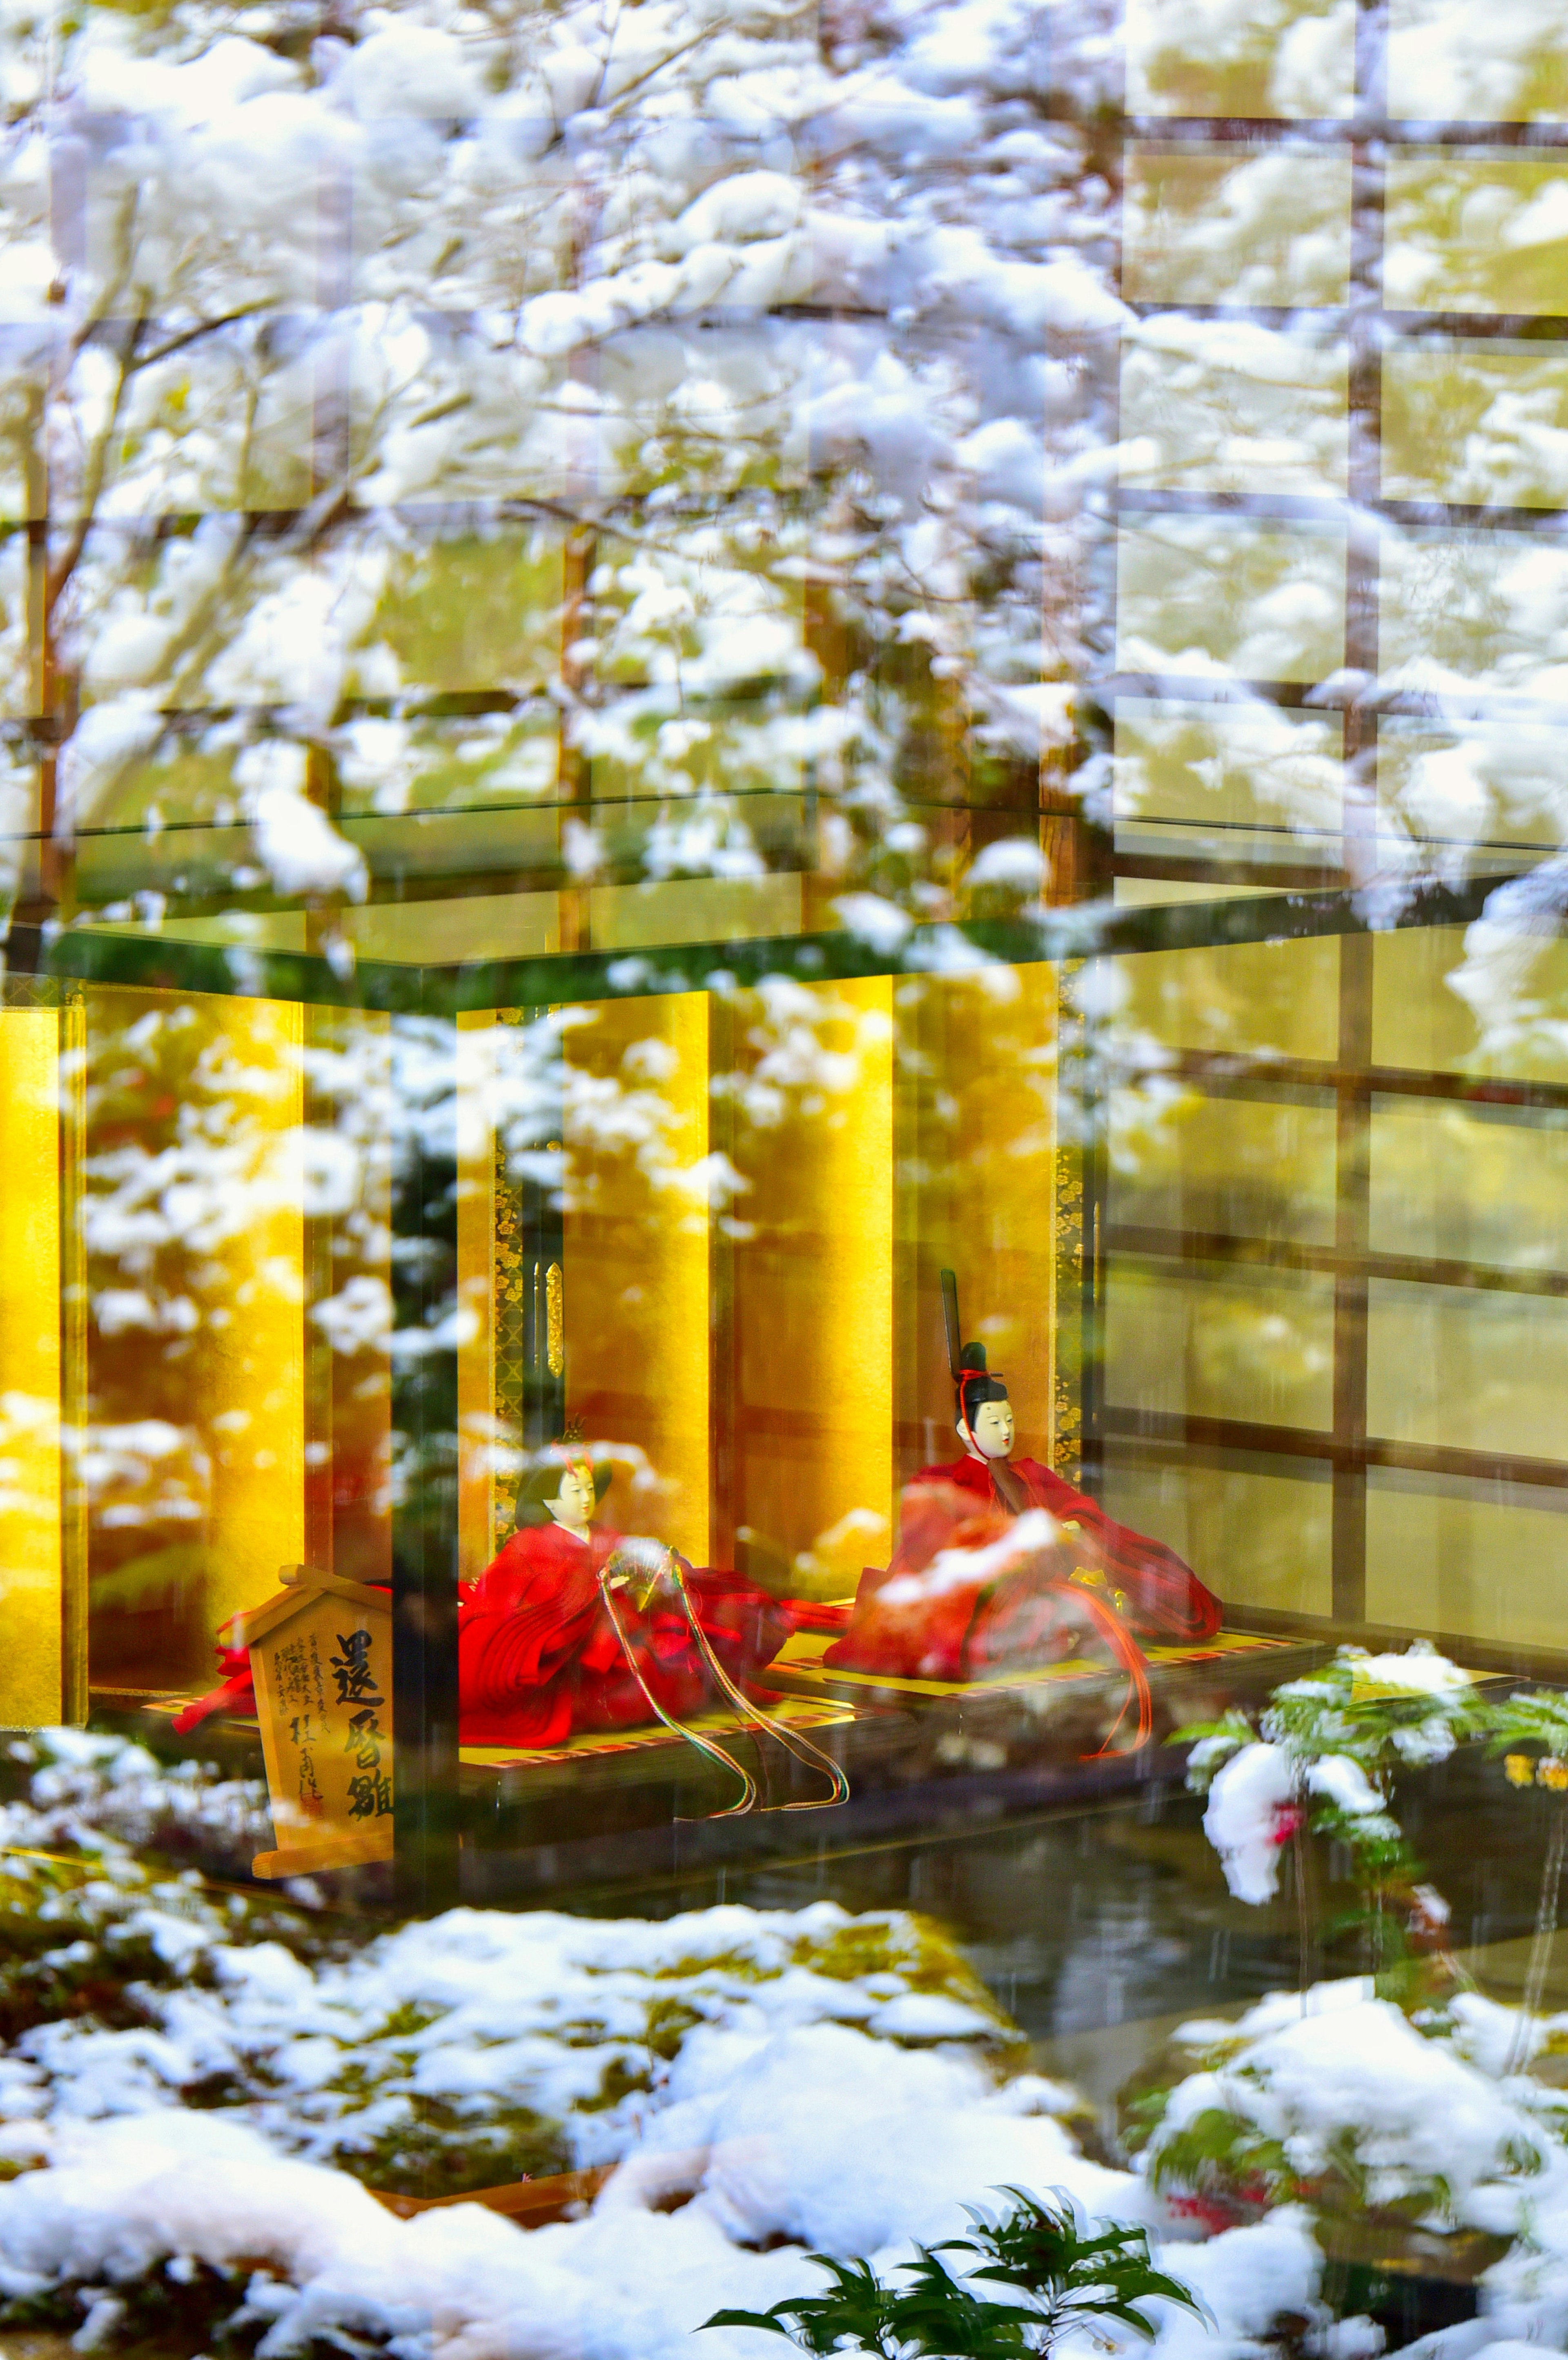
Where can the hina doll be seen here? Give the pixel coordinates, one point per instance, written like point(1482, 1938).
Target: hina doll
point(574, 1628)
point(1001, 1564)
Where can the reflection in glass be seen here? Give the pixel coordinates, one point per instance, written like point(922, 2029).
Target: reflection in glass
point(1213, 595)
point(1292, 59)
point(1481, 1562)
point(1207, 1341)
point(1470, 1184)
point(1265, 226)
point(1481, 424)
point(1477, 232)
point(1247, 782)
point(1211, 406)
point(1474, 1368)
point(1468, 62)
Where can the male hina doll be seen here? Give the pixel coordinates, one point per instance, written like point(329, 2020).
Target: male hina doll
point(573, 1629)
point(1001, 1564)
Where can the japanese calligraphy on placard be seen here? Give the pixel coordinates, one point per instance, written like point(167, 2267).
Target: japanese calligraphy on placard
point(322, 1659)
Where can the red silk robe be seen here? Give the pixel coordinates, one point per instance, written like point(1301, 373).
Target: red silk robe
point(234, 1693)
point(538, 1657)
point(1098, 1582)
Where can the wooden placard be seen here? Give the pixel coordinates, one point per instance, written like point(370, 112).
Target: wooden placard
point(320, 1656)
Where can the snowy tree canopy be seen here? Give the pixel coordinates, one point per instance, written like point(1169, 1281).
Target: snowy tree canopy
point(436, 406)
point(654, 420)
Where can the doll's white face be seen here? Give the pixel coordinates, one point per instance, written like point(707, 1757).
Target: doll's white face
point(993, 1430)
point(575, 1502)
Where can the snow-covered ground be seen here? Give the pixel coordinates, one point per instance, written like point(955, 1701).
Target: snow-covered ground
point(86, 1790)
point(843, 2142)
point(195, 2084)
point(182, 2060)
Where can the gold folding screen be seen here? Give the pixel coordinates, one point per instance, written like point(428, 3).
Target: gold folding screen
point(761, 1188)
point(33, 1665)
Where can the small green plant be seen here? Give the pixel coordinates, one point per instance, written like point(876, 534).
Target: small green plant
point(1070, 2275)
point(1536, 1720)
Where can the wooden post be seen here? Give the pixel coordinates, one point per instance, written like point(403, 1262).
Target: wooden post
point(425, 1521)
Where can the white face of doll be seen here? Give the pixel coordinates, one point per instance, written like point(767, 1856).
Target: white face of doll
point(993, 1431)
point(574, 1504)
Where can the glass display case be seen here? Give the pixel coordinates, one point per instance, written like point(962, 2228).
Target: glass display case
point(784, 1043)
point(617, 1342)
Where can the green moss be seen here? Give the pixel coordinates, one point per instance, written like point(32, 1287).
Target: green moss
point(582, 2032)
point(67, 1946)
point(919, 1953)
point(739, 1966)
point(619, 2079)
point(407, 2021)
point(189, 2314)
point(357, 2079)
point(213, 2093)
point(438, 2150)
point(669, 2022)
point(48, 1987)
point(57, 2308)
point(168, 2315)
point(924, 1957)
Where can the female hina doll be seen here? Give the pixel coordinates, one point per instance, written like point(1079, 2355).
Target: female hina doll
point(1002, 1565)
point(574, 1628)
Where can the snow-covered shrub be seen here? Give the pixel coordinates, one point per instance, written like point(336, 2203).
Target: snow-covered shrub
point(1337, 2098)
point(1539, 1720)
point(480, 2048)
point(93, 1939)
point(438, 2057)
point(1322, 1760)
point(193, 2082)
point(86, 1789)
